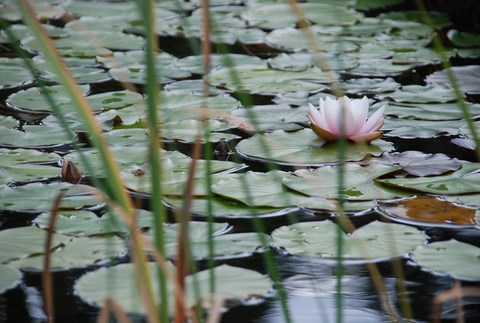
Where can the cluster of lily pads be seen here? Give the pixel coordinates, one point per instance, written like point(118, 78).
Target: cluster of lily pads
point(256, 112)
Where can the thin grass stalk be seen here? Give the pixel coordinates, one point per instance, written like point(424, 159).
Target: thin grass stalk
point(147, 8)
point(437, 43)
point(111, 305)
point(79, 102)
point(208, 153)
point(47, 279)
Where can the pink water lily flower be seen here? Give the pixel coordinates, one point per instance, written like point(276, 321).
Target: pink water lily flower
point(325, 121)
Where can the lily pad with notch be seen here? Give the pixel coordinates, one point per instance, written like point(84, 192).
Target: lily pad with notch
point(465, 180)
point(36, 198)
point(463, 259)
point(376, 241)
point(303, 148)
point(359, 184)
point(232, 283)
point(258, 189)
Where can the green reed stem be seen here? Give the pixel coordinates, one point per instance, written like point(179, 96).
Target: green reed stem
point(114, 186)
point(147, 9)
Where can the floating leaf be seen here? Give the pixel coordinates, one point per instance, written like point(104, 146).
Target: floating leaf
point(43, 11)
point(463, 39)
point(429, 211)
point(193, 130)
point(85, 223)
point(23, 173)
point(18, 75)
point(421, 94)
point(266, 81)
point(271, 16)
point(406, 128)
point(419, 164)
point(457, 259)
point(116, 283)
point(31, 136)
point(269, 117)
point(38, 197)
point(258, 189)
point(9, 278)
point(296, 40)
point(137, 74)
point(467, 77)
point(304, 148)
point(226, 208)
point(317, 204)
point(18, 243)
point(358, 184)
point(193, 64)
point(464, 180)
point(376, 4)
point(78, 253)
point(33, 99)
point(369, 86)
point(9, 157)
point(430, 111)
point(438, 19)
point(375, 241)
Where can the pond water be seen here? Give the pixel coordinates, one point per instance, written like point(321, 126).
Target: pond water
point(411, 196)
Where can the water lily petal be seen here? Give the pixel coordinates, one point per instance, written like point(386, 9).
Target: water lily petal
point(324, 134)
point(359, 112)
point(331, 114)
point(373, 123)
point(368, 137)
point(316, 117)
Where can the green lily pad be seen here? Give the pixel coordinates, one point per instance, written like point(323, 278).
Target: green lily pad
point(469, 52)
point(188, 131)
point(369, 86)
point(194, 64)
point(463, 39)
point(225, 245)
point(38, 197)
point(33, 99)
point(467, 77)
point(258, 189)
point(18, 75)
point(409, 128)
point(317, 204)
point(463, 259)
point(376, 241)
point(82, 75)
point(9, 157)
point(471, 200)
point(78, 253)
point(302, 60)
point(226, 208)
point(374, 67)
point(137, 177)
point(181, 106)
point(271, 16)
point(464, 180)
point(303, 147)
point(134, 57)
point(43, 11)
point(85, 223)
point(232, 283)
point(296, 40)
point(266, 81)
point(422, 56)
point(137, 74)
point(24, 173)
point(421, 94)
point(359, 182)
point(429, 111)
point(439, 19)
point(419, 164)
point(31, 136)
point(195, 87)
point(269, 118)
point(9, 278)
point(19, 243)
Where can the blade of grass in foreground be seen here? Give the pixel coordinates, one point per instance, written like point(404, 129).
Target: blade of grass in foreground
point(147, 11)
point(115, 187)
